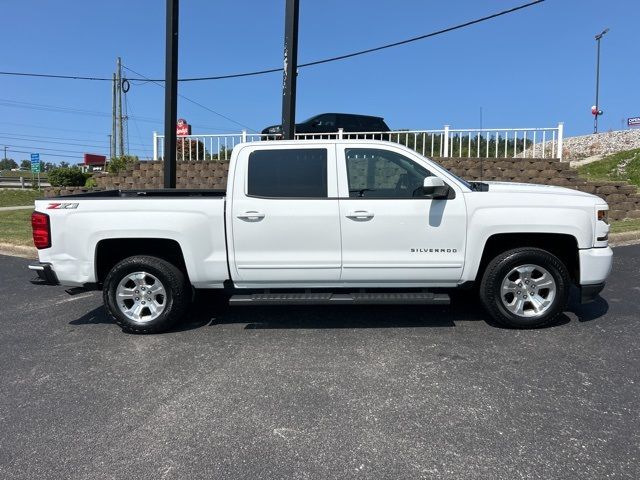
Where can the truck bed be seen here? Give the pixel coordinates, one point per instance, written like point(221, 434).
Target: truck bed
point(162, 192)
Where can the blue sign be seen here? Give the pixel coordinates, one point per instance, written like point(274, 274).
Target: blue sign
point(633, 122)
point(35, 162)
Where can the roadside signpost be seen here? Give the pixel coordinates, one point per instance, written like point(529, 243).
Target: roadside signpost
point(35, 167)
point(633, 122)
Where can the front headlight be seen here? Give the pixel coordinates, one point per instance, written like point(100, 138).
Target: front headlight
point(603, 216)
point(602, 226)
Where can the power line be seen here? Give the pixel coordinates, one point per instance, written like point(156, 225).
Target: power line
point(48, 154)
point(44, 127)
point(48, 149)
point(49, 75)
point(68, 110)
point(309, 64)
point(192, 101)
point(29, 137)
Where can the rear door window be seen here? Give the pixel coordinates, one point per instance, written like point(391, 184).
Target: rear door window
point(290, 173)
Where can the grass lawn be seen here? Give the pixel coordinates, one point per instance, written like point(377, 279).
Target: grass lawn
point(15, 227)
point(625, 225)
point(15, 198)
point(26, 175)
point(607, 168)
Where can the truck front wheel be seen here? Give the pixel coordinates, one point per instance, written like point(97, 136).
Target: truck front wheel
point(525, 288)
point(146, 294)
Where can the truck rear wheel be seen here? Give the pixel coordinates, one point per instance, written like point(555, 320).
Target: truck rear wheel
point(146, 294)
point(525, 288)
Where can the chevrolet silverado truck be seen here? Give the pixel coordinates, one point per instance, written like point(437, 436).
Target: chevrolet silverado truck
point(327, 222)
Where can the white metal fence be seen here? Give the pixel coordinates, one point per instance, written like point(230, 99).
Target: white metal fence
point(448, 142)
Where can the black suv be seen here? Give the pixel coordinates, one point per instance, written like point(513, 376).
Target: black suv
point(331, 122)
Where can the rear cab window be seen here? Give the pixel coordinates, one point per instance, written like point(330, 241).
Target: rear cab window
point(288, 173)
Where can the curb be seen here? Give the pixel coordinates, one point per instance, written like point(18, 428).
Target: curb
point(624, 238)
point(18, 251)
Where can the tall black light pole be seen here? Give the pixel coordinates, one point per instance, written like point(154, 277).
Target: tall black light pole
point(597, 112)
point(290, 69)
point(171, 94)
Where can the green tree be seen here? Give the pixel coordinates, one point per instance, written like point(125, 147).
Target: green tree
point(25, 164)
point(63, 164)
point(8, 164)
point(189, 149)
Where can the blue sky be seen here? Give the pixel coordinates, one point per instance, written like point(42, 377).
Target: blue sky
point(533, 68)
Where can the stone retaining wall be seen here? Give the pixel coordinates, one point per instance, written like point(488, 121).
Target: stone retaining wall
point(623, 199)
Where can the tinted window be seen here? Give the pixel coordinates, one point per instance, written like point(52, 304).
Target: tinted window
point(300, 173)
point(350, 122)
point(377, 173)
point(327, 120)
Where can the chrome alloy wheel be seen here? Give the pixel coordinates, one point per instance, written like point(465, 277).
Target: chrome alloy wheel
point(528, 291)
point(141, 297)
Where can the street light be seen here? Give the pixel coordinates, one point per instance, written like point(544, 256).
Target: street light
point(596, 111)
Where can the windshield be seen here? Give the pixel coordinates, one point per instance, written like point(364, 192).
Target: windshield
point(461, 180)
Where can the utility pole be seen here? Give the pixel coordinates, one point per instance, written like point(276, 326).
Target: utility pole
point(290, 69)
point(5, 152)
point(120, 123)
point(113, 136)
point(171, 94)
point(597, 112)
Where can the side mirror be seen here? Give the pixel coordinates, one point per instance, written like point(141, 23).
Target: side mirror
point(435, 187)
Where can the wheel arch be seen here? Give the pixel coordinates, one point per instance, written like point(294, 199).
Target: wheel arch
point(563, 246)
point(110, 251)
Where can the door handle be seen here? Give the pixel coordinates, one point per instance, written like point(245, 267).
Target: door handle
point(360, 215)
point(251, 215)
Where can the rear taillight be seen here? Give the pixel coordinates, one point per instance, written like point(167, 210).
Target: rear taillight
point(41, 230)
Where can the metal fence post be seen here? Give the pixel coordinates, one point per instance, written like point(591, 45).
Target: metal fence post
point(155, 145)
point(560, 135)
point(445, 151)
point(21, 182)
point(340, 132)
point(244, 136)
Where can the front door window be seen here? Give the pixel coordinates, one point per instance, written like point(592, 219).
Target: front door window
point(375, 173)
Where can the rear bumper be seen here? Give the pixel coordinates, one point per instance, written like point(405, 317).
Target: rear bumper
point(46, 275)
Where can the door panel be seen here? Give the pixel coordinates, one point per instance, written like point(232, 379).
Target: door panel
point(390, 232)
point(284, 226)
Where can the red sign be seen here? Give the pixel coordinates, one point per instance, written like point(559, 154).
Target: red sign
point(93, 159)
point(183, 128)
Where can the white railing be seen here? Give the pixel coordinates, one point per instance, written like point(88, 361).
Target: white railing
point(448, 142)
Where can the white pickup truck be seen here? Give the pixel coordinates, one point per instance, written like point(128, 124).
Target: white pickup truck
point(327, 222)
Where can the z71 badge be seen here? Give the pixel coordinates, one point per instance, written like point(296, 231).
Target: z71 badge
point(62, 206)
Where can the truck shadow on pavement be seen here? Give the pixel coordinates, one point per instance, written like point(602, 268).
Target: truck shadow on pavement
point(211, 310)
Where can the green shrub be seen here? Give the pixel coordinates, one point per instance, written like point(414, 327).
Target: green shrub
point(118, 164)
point(90, 183)
point(67, 177)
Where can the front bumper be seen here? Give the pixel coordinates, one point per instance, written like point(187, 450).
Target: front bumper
point(588, 293)
point(595, 265)
point(46, 275)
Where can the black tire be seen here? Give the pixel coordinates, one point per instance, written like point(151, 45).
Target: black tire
point(500, 267)
point(175, 301)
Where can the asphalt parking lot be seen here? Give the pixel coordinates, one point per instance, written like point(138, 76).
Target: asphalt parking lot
point(307, 392)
